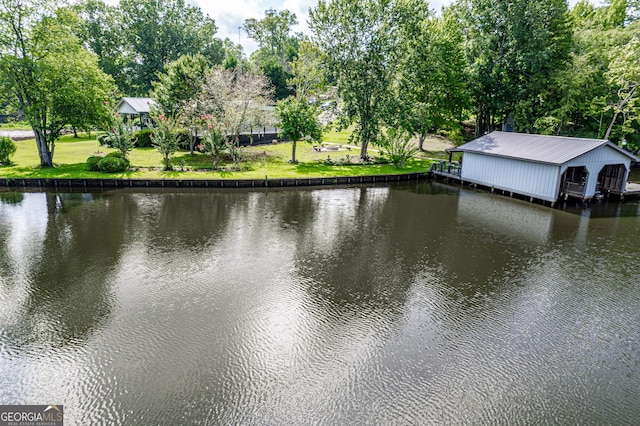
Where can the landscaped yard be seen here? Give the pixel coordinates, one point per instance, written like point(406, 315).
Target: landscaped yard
point(260, 161)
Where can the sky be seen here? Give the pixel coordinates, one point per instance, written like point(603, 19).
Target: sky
point(230, 14)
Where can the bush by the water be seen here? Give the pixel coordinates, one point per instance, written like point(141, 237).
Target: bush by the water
point(111, 163)
point(92, 163)
point(143, 138)
point(7, 149)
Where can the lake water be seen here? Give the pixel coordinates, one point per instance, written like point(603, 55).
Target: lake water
point(409, 304)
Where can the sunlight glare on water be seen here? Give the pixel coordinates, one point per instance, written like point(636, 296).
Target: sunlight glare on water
point(416, 304)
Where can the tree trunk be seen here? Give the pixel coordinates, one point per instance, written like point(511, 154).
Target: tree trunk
point(46, 155)
point(421, 139)
point(363, 150)
point(613, 121)
point(293, 153)
point(192, 145)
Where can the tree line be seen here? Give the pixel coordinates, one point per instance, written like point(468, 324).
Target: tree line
point(395, 67)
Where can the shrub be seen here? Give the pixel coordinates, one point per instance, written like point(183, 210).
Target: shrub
point(120, 136)
point(7, 149)
point(113, 164)
point(92, 163)
point(143, 138)
point(164, 138)
point(397, 146)
point(110, 163)
point(117, 154)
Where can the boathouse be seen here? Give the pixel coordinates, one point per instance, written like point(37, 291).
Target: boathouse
point(136, 107)
point(546, 168)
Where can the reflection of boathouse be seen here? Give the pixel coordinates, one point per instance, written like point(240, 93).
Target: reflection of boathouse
point(541, 167)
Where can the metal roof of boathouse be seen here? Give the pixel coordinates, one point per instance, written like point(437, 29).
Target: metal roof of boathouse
point(535, 148)
point(135, 105)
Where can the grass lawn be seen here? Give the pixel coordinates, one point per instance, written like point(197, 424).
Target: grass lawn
point(20, 125)
point(261, 160)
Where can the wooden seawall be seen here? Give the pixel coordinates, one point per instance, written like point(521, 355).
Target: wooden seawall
point(204, 183)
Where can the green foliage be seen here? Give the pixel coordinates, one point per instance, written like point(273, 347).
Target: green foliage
point(515, 53)
point(181, 81)
point(432, 92)
point(309, 74)
point(397, 147)
point(276, 73)
point(624, 77)
point(137, 38)
point(164, 138)
point(272, 32)
point(363, 45)
point(120, 136)
point(92, 163)
point(7, 149)
point(111, 163)
point(48, 73)
point(277, 47)
point(214, 141)
point(159, 32)
point(12, 197)
point(298, 119)
point(143, 138)
point(183, 138)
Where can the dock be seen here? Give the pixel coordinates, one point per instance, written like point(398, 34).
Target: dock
point(632, 189)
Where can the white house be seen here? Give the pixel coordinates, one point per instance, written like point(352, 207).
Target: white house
point(544, 167)
point(132, 107)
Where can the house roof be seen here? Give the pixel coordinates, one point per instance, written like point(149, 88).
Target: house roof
point(135, 105)
point(536, 148)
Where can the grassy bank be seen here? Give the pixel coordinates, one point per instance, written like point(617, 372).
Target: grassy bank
point(260, 161)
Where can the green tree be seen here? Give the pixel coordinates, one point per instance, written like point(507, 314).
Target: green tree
point(120, 136)
point(271, 67)
point(175, 89)
point(214, 141)
point(273, 32)
point(514, 48)
point(102, 32)
point(182, 80)
point(309, 74)
point(233, 54)
point(432, 89)
point(7, 149)
point(296, 120)
point(589, 94)
point(159, 32)
point(49, 74)
point(397, 146)
point(361, 40)
point(624, 77)
point(164, 137)
point(278, 46)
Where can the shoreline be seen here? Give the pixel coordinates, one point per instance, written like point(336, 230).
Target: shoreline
point(100, 183)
